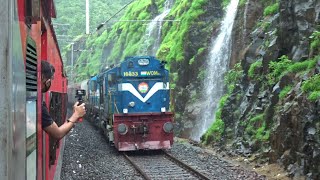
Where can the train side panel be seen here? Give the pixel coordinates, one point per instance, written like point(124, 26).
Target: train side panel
point(12, 124)
point(27, 38)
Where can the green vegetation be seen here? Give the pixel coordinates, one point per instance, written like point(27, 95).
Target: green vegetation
point(202, 74)
point(271, 10)
point(312, 87)
point(302, 66)
point(262, 134)
point(280, 66)
point(225, 3)
point(284, 66)
point(277, 68)
point(214, 133)
point(172, 45)
point(233, 76)
point(256, 128)
point(69, 26)
point(315, 41)
point(242, 3)
point(284, 92)
point(253, 71)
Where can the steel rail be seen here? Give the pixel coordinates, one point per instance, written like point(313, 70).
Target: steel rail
point(183, 165)
point(137, 167)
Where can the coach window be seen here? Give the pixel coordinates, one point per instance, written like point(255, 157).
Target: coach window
point(32, 11)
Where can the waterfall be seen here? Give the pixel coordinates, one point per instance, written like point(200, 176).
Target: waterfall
point(217, 65)
point(153, 32)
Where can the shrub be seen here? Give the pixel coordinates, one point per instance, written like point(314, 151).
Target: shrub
point(315, 40)
point(252, 72)
point(277, 68)
point(256, 128)
point(272, 9)
point(214, 133)
point(312, 87)
point(233, 76)
point(262, 134)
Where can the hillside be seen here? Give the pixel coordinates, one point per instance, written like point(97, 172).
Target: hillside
point(71, 20)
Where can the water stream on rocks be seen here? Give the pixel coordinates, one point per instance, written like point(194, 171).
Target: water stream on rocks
point(153, 32)
point(217, 66)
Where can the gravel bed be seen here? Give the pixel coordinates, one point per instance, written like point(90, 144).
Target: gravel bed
point(87, 155)
point(211, 165)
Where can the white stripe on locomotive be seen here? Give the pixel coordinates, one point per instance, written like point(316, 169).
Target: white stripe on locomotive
point(156, 87)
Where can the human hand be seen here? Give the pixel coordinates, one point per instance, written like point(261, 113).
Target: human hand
point(79, 110)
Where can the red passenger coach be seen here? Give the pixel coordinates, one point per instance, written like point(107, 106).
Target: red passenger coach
point(27, 37)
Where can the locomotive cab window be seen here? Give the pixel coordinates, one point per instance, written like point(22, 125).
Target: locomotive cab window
point(130, 64)
point(93, 85)
point(111, 78)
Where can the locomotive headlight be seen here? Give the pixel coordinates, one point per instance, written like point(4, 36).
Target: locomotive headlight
point(163, 109)
point(132, 104)
point(168, 127)
point(125, 111)
point(122, 129)
point(143, 62)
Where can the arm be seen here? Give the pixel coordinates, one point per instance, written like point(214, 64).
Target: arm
point(59, 132)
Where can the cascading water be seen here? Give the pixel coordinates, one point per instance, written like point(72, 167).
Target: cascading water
point(153, 32)
point(217, 66)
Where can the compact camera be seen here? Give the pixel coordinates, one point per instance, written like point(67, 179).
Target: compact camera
point(79, 94)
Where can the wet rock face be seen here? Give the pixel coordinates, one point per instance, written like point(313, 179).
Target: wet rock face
point(246, 19)
point(296, 139)
point(293, 121)
point(297, 21)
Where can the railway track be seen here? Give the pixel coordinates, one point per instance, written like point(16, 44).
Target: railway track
point(163, 166)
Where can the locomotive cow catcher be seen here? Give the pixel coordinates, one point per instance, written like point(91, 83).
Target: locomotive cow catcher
point(130, 103)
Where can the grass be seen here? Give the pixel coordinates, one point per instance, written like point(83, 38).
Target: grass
point(284, 92)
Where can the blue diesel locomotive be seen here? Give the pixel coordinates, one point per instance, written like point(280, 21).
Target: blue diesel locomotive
point(130, 102)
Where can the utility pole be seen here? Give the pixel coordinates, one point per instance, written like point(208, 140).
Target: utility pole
point(87, 16)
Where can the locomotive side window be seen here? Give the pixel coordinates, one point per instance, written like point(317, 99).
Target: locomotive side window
point(31, 108)
point(93, 86)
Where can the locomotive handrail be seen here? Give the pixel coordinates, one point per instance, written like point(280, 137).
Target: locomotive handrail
point(115, 105)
